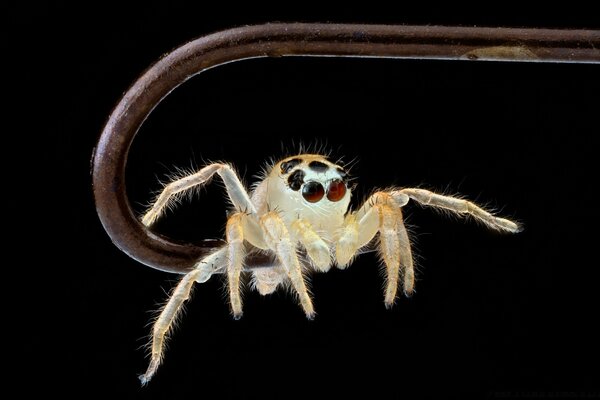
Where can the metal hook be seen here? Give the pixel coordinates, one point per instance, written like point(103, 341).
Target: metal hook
point(293, 39)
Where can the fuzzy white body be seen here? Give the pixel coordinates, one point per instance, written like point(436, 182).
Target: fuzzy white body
point(301, 204)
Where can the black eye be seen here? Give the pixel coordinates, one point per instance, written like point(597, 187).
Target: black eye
point(287, 166)
point(313, 191)
point(296, 179)
point(336, 190)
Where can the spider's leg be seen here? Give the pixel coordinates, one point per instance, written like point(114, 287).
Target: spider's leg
point(169, 313)
point(241, 228)
point(235, 190)
point(393, 251)
point(235, 247)
point(316, 248)
point(279, 240)
point(381, 214)
point(461, 206)
point(360, 227)
point(406, 257)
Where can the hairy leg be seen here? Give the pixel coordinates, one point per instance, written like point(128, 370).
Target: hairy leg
point(381, 214)
point(235, 190)
point(360, 227)
point(461, 206)
point(406, 257)
point(235, 247)
point(170, 311)
point(389, 247)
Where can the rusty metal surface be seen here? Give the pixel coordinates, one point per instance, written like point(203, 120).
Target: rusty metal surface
point(295, 39)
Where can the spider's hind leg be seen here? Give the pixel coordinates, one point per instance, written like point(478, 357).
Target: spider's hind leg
point(201, 273)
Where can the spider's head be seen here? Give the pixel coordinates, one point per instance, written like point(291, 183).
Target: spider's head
point(310, 186)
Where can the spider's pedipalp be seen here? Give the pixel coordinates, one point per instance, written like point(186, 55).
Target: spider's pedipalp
point(347, 244)
point(318, 251)
point(279, 240)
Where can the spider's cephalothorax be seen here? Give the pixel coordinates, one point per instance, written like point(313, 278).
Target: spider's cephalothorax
point(309, 188)
point(302, 204)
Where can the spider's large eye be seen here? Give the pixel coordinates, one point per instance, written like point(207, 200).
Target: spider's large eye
point(336, 190)
point(313, 191)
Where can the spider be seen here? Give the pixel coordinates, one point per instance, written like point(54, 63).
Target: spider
point(299, 212)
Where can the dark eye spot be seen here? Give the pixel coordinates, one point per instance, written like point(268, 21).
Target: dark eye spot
point(296, 179)
point(318, 166)
point(287, 166)
point(313, 192)
point(342, 172)
point(336, 190)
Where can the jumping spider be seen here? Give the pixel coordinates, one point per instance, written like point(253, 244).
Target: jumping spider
point(301, 204)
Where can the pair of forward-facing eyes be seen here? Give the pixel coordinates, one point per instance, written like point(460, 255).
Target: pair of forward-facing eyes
point(313, 191)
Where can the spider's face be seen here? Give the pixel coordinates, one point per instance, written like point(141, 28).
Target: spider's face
point(310, 186)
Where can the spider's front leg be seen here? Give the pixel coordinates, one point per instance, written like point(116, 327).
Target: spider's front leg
point(235, 191)
point(381, 214)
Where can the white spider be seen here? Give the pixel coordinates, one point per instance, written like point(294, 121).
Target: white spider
point(301, 204)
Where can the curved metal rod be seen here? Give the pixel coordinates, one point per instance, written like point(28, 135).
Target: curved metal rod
point(294, 39)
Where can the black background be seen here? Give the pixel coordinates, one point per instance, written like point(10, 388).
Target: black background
point(494, 315)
